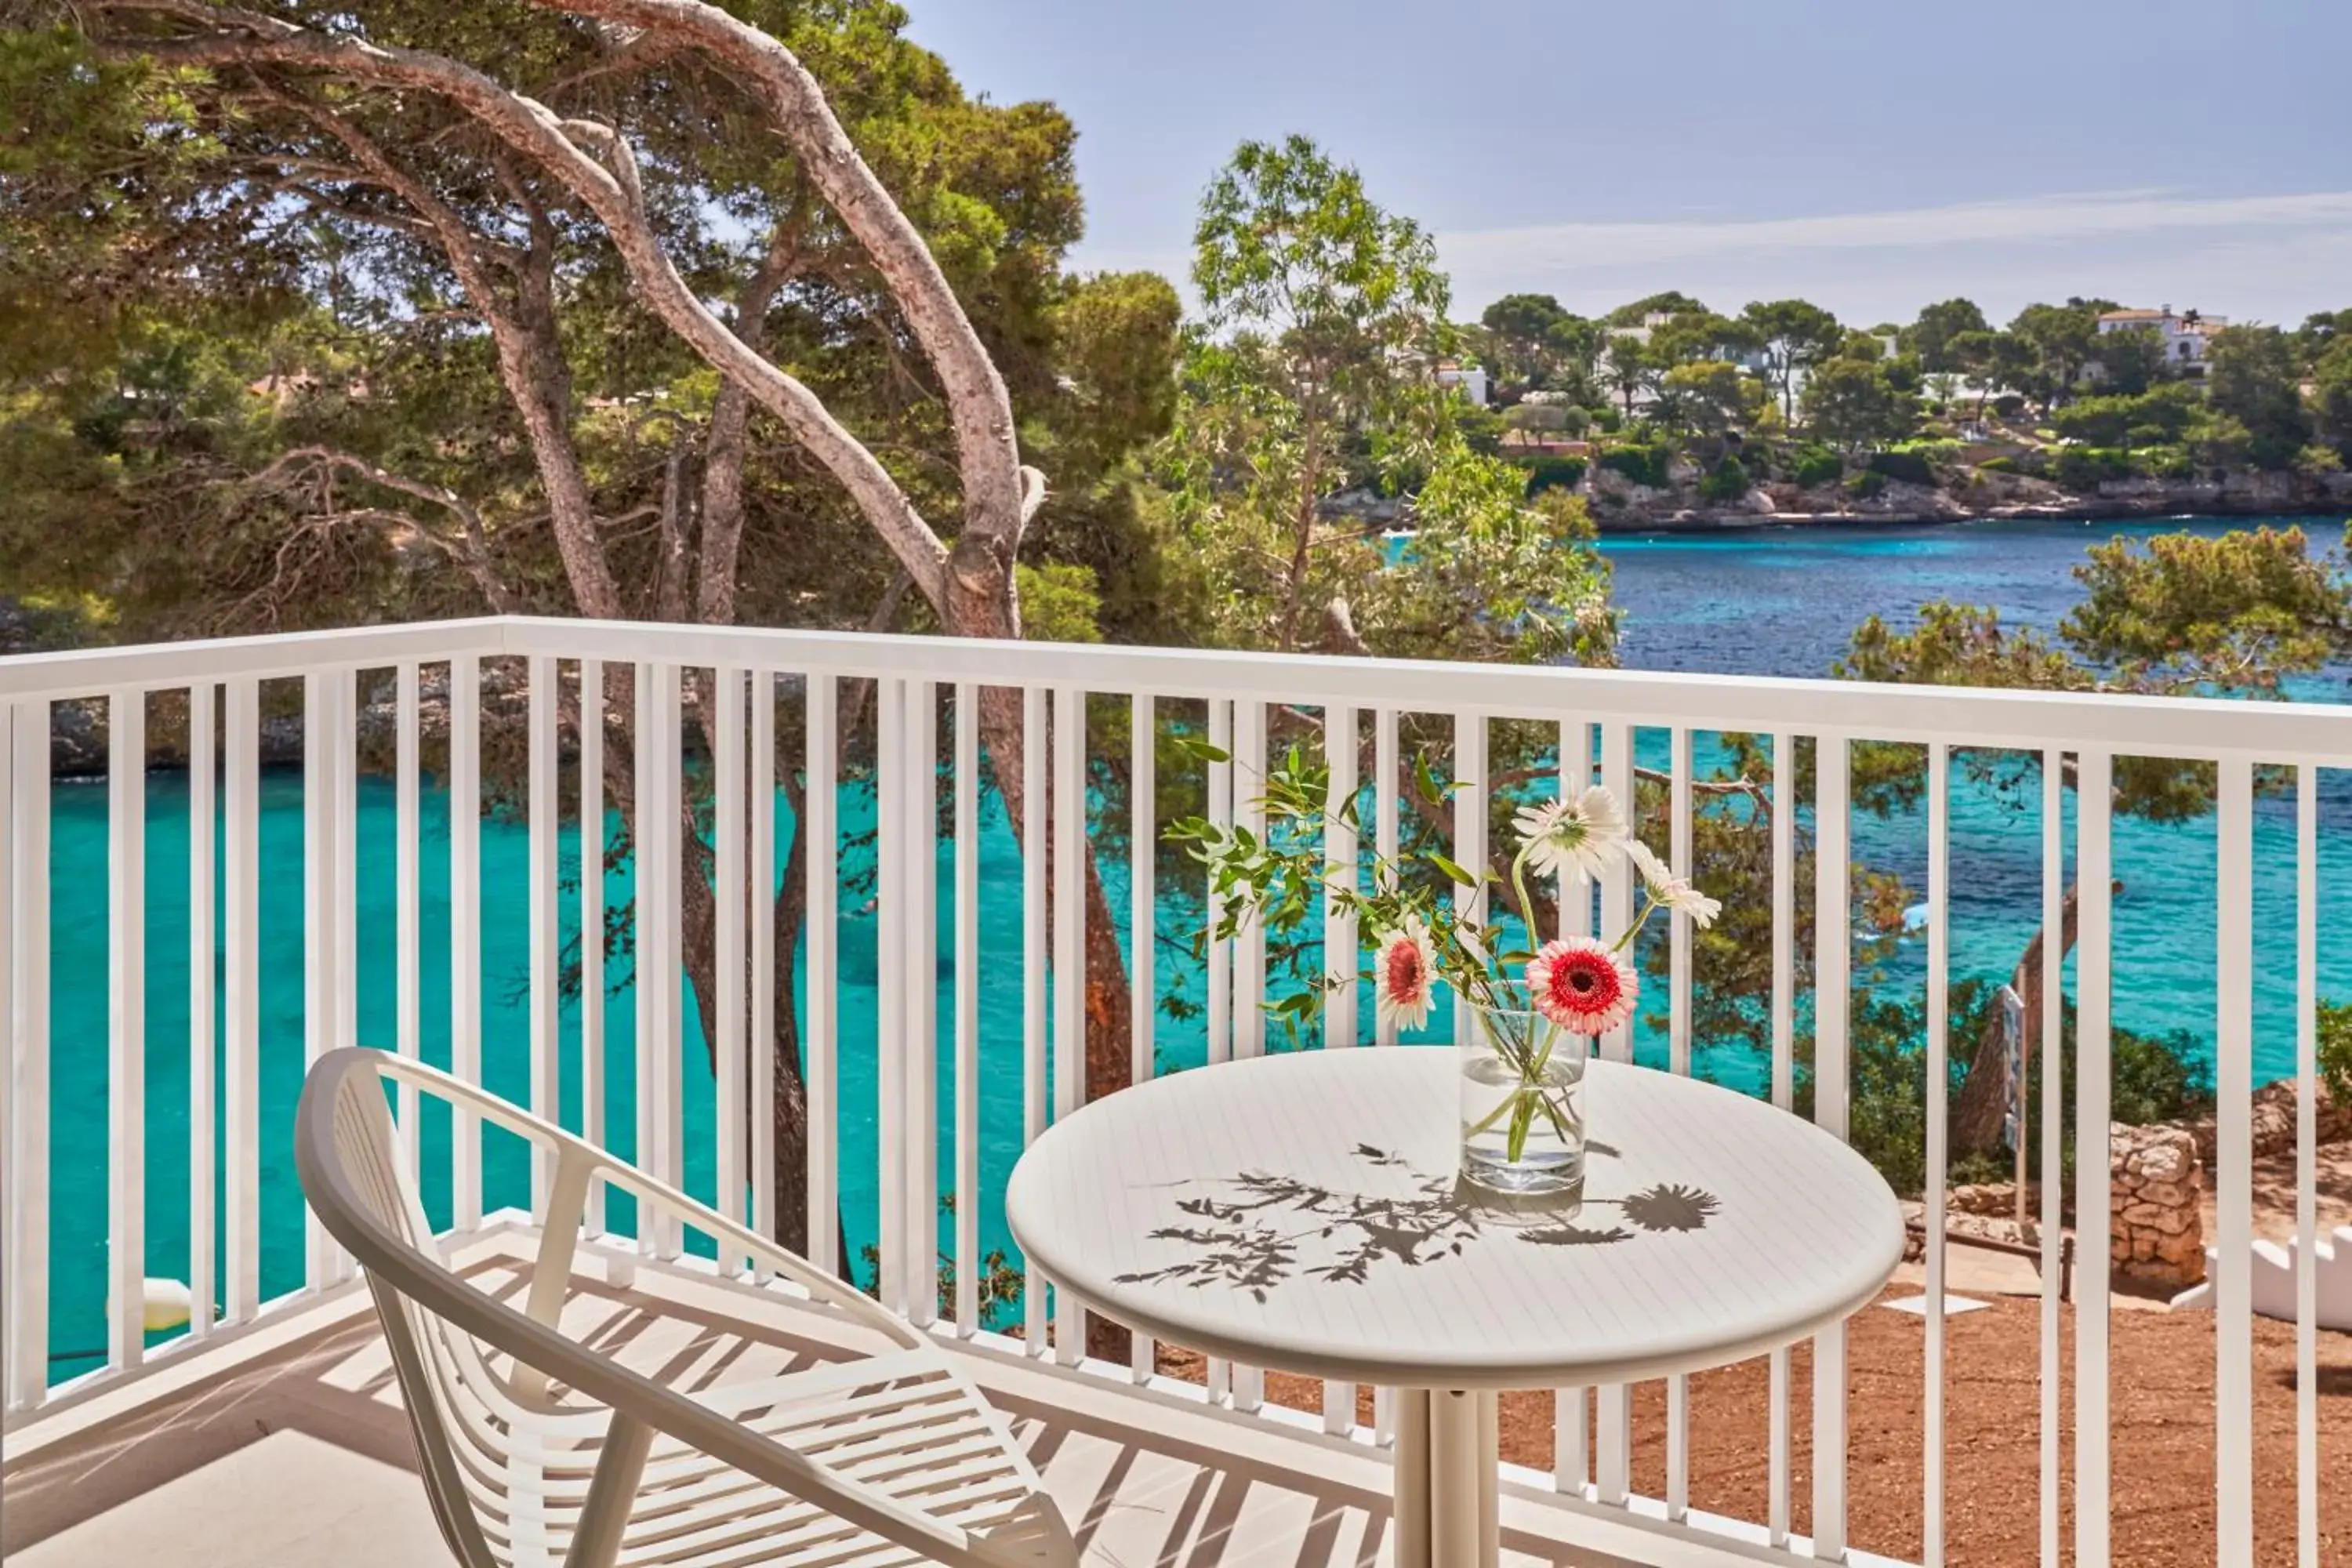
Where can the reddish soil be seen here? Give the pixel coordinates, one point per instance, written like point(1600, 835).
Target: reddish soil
point(2161, 1383)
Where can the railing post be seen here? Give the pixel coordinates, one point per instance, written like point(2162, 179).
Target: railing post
point(1069, 831)
point(1833, 944)
point(27, 1283)
point(203, 1286)
point(824, 909)
point(2094, 1194)
point(466, 932)
point(126, 1239)
point(241, 1053)
point(543, 825)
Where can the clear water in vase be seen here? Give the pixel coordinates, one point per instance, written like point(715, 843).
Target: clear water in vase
point(1522, 1083)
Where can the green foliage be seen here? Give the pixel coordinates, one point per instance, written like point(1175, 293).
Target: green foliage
point(1711, 397)
point(1533, 341)
point(2335, 1051)
point(1997, 466)
point(2252, 375)
point(1795, 335)
point(1671, 302)
point(2235, 612)
point(2131, 360)
point(1853, 404)
point(1816, 465)
point(1911, 467)
point(1931, 337)
point(1644, 462)
point(2331, 393)
point(1865, 483)
point(2084, 467)
point(1059, 602)
point(1552, 473)
point(2057, 340)
point(2141, 419)
point(1726, 481)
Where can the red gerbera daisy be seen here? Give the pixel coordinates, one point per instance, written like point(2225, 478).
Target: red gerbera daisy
point(1582, 985)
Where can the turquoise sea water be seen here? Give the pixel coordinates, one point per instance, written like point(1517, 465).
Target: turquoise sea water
point(1778, 602)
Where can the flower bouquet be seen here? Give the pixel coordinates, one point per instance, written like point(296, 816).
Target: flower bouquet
point(1535, 1010)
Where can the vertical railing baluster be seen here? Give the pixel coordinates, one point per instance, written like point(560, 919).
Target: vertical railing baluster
point(1678, 1062)
point(27, 1280)
point(319, 986)
point(1385, 831)
point(591, 924)
point(2094, 1195)
point(820, 1044)
point(2307, 1176)
point(2234, 1155)
point(1218, 955)
point(1248, 783)
point(543, 826)
point(1339, 955)
point(241, 1011)
point(1782, 804)
point(202, 1068)
point(1469, 846)
point(1613, 1464)
point(1938, 1095)
point(645, 993)
point(342, 688)
point(1142, 929)
point(343, 841)
point(1069, 959)
point(967, 1008)
point(1832, 943)
point(465, 931)
point(12, 1283)
point(892, 898)
point(2053, 1147)
point(126, 950)
point(724, 724)
point(1036, 792)
point(408, 878)
point(669, 881)
point(1572, 1406)
point(761, 911)
point(922, 973)
point(1571, 1419)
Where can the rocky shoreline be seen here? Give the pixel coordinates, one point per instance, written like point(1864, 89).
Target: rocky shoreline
point(1620, 506)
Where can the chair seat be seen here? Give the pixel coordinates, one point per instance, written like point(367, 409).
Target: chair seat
point(904, 1426)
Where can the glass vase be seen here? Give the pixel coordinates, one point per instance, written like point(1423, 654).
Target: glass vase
point(1522, 1080)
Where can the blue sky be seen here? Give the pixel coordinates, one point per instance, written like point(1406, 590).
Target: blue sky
point(1870, 155)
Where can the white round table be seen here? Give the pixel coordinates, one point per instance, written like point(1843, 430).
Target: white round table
point(1302, 1212)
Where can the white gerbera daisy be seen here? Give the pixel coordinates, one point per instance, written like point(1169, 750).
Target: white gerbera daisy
point(1403, 975)
point(1576, 837)
point(1668, 890)
point(1678, 894)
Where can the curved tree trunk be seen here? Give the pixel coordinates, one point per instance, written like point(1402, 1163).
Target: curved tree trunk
point(1976, 1118)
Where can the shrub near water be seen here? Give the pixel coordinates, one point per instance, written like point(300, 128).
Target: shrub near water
point(1728, 481)
point(1816, 465)
point(1644, 463)
point(1552, 473)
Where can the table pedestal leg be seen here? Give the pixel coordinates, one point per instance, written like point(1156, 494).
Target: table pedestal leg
point(1445, 1474)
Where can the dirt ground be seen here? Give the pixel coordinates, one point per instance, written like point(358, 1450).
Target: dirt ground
point(2161, 1384)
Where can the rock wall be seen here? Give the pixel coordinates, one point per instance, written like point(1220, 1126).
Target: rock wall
point(2155, 1230)
point(2274, 1121)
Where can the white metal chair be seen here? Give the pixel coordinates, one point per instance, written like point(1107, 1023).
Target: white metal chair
point(538, 1450)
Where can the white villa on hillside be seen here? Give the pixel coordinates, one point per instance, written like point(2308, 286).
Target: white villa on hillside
point(2184, 334)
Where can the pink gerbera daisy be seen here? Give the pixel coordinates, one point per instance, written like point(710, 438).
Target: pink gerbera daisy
point(1400, 975)
point(1583, 986)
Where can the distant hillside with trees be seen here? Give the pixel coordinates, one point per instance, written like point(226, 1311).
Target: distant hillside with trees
point(1666, 409)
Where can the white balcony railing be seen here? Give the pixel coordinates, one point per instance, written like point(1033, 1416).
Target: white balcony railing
point(220, 1209)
